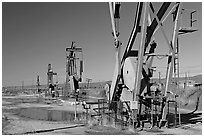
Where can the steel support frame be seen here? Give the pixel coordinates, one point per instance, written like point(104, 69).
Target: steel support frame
point(174, 43)
point(115, 30)
point(50, 75)
point(140, 61)
point(171, 58)
point(71, 69)
point(136, 29)
point(150, 31)
point(143, 45)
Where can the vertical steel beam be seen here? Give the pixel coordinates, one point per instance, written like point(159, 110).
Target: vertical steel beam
point(140, 59)
point(141, 53)
point(171, 58)
point(174, 42)
point(178, 71)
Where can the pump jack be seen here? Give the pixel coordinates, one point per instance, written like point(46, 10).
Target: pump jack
point(50, 75)
point(71, 68)
point(131, 78)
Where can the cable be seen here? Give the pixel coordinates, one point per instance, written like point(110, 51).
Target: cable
point(160, 58)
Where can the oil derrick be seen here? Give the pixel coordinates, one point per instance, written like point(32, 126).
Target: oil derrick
point(133, 71)
point(73, 76)
point(38, 84)
point(50, 75)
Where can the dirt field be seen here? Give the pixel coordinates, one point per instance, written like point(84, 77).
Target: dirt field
point(13, 124)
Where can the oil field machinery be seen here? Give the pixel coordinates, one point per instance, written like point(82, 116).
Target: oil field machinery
point(73, 75)
point(131, 83)
point(50, 75)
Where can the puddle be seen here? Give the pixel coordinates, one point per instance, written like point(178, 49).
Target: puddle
point(49, 114)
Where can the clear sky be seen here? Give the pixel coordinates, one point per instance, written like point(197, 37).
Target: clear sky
point(36, 34)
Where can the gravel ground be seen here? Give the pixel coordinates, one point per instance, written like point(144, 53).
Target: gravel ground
point(13, 124)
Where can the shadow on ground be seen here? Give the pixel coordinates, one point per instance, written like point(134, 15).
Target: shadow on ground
point(187, 118)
